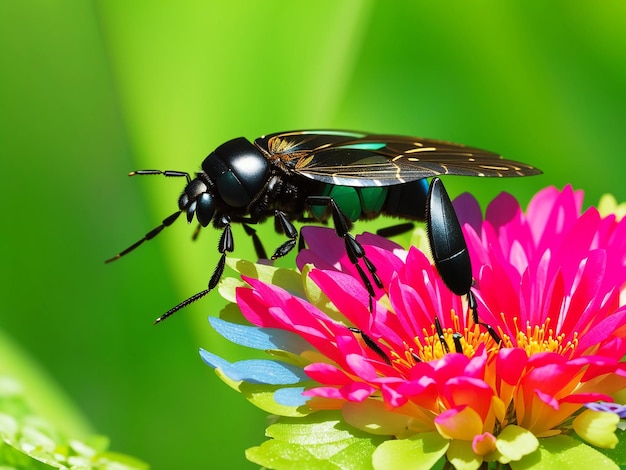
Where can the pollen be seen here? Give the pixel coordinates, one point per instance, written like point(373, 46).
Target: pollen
point(437, 341)
point(541, 338)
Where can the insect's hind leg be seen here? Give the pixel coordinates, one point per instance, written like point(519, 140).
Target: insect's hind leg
point(354, 249)
point(281, 220)
point(449, 249)
point(397, 229)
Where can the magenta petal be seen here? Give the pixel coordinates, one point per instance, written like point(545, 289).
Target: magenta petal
point(324, 392)
point(468, 211)
point(254, 308)
point(357, 391)
point(392, 397)
point(327, 374)
point(469, 391)
point(510, 364)
point(382, 243)
point(602, 330)
point(417, 386)
point(502, 210)
point(585, 398)
point(347, 294)
point(361, 367)
point(387, 264)
point(326, 248)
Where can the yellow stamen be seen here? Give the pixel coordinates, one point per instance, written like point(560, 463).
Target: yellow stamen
point(534, 339)
point(469, 338)
point(541, 338)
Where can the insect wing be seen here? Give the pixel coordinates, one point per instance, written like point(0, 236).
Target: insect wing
point(356, 159)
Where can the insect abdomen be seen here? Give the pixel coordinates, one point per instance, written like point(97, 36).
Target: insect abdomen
point(355, 203)
point(407, 201)
point(404, 200)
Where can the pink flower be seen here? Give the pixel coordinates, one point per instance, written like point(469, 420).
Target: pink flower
point(547, 281)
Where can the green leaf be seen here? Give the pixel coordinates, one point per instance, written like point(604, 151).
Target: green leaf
point(597, 428)
point(318, 428)
point(316, 297)
point(262, 396)
point(23, 378)
point(318, 441)
point(421, 451)
point(372, 417)
point(228, 286)
point(288, 279)
point(29, 442)
point(515, 442)
point(461, 455)
point(564, 452)
point(289, 357)
point(618, 454)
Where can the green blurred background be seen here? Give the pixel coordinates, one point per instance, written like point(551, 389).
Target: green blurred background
point(90, 90)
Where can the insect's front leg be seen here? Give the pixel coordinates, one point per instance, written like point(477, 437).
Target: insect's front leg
point(225, 245)
point(354, 249)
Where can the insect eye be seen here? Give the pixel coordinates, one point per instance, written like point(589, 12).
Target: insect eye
point(205, 208)
point(191, 210)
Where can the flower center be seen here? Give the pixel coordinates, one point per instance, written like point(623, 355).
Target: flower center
point(540, 338)
point(437, 342)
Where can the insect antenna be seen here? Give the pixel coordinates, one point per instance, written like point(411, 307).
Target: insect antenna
point(148, 236)
point(166, 222)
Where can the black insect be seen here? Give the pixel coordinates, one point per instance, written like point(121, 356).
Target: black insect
point(333, 175)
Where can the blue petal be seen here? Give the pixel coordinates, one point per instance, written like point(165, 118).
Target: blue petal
point(290, 396)
point(256, 370)
point(259, 338)
point(213, 360)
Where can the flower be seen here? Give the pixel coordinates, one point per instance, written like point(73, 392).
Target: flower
point(416, 377)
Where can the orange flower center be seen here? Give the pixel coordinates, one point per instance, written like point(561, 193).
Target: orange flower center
point(540, 338)
point(436, 343)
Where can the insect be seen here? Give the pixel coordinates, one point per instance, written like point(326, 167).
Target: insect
point(338, 176)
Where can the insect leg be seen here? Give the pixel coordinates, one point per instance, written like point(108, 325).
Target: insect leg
point(370, 343)
point(474, 308)
point(442, 338)
point(394, 230)
point(196, 232)
point(226, 244)
point(148, 236)
point(301, 243)
point(288, 229)
point(354, 249)
point(259, 249)
point(166, 222)
point(449, 248)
